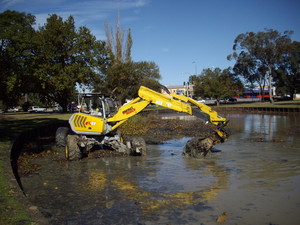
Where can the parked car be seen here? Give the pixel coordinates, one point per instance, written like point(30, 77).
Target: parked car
point(57, 108)
point(232, 100)
point(13, 109)
point(36, 109)
point(73, 107)
point(222, 100)
point(201, 100)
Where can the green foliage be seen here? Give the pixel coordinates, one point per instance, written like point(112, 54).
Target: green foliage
point(16, 55)
point(124, 77)
point(11, 211)
point(66, 57)
point(287, 76)
point(137, 125)
point(50, 61)
point(216, 83)
point(53, 60)
point(259, 54)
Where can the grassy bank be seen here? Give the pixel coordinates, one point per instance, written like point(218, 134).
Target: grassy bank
point(295, 104)
point(12, 208)
point(281, 104)
point(12, 211)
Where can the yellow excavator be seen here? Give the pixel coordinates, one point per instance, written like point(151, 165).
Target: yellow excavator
point(96, 124)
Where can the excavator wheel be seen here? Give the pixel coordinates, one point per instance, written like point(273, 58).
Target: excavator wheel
point(198, 147)
point(138, 146)
point(61, 136)
point(73, 151)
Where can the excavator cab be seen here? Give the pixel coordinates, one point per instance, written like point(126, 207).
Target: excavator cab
point(97, 105)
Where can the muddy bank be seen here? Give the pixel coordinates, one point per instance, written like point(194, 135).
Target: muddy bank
point(159, 127)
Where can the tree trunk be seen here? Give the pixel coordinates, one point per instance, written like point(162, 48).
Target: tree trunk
point(292, 93)
point(270, 85)
point(261, 91)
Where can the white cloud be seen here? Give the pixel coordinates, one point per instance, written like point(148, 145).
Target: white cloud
point(140, 3)
point(8, 3)
point(89, 13)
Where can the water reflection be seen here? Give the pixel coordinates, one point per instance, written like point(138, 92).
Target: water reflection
point(255, 179)
point(269, 126)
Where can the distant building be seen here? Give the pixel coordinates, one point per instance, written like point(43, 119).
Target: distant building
point(186, 89)
point(255, 92)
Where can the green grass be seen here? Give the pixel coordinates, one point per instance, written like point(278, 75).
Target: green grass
point(12, 211)
point(29, 116)
point(283, 104)
point(13, 124)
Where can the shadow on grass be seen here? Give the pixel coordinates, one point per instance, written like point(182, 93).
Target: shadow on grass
point(288, 104)
point(11, 128)
point(22, 132)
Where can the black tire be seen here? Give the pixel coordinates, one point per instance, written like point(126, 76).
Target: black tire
point(138, 146)
point(61, 136)
point(73, 151)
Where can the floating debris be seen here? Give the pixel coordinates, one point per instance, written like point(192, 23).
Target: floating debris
point(222, 218)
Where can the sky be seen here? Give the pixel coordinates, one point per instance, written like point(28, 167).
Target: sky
point(182, 37)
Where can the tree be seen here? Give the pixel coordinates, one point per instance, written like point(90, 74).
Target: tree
point(118, 49)
point(148, 74)
point(124, 76)
point(216, 83)
point(258, 55)
point(66, 57)
point(16, 55)
point(287, 76)
point(124, 79)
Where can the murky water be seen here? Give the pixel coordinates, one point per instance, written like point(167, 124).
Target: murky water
point(255, 179)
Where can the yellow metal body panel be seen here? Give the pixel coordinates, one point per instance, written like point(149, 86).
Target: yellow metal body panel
point(128, 110)
point(83, 123)
point(163, 100)
point(214, 117)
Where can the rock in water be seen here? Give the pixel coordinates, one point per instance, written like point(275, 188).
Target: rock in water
point(198, 147)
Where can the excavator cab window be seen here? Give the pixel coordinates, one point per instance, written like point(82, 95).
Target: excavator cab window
point(103, 107)
point(110, 107)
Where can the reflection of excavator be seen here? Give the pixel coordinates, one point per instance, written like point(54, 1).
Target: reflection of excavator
point(97, 123)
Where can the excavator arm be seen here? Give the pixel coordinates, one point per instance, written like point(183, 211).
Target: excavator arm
point(178, 103)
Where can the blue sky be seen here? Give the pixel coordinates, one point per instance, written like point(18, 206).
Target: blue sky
point(181, 36)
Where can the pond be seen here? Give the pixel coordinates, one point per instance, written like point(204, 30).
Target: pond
point(255, 179)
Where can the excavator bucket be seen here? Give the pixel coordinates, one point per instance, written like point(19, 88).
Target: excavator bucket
point(198, 147)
